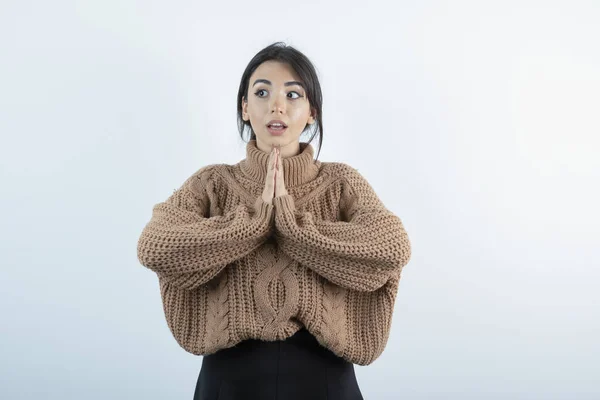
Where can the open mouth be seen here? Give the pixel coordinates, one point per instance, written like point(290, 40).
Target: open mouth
point(277, 125)
point(276, 129)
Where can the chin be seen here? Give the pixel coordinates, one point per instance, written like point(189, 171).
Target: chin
point(267, 137)
point(282, 140)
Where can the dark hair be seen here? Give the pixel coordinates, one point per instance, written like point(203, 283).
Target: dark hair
point(281, 52)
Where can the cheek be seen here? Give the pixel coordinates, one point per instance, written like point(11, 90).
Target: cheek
point(300, 114)
point(298, 108)
point(255, 107)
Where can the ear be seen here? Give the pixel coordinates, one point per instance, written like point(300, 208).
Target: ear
point(311, 119)
point(244, 109)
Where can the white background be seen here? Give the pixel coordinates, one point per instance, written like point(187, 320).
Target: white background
point(476, 122)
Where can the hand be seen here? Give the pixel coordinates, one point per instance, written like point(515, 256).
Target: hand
point(280, 189)
point(269, 191)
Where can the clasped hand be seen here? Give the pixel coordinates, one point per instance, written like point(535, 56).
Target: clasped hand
point(274, 183)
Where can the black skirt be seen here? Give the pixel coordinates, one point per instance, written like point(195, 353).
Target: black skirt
point(295, 368)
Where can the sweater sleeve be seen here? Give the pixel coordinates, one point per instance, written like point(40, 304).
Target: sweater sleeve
point(187, 248)
point(360, 252)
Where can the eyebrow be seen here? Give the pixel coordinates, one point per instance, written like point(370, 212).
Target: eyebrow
point(290, 83)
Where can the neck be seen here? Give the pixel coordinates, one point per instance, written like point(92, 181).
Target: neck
point(288, 150)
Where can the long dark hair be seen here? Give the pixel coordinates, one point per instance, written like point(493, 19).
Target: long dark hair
point(281, 52)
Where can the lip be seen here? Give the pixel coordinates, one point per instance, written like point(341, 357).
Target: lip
point(273, 121)
point(276, 132)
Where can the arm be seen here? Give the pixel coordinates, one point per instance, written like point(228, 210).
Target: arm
point(361, 252)
point(186, 248)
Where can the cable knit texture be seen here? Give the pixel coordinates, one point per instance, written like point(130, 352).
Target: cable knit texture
point(327, 256)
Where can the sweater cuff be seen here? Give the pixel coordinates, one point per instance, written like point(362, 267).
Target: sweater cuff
point(262, 209)
point(284, 203)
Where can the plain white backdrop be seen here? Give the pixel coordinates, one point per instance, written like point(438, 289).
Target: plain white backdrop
point(477, 122)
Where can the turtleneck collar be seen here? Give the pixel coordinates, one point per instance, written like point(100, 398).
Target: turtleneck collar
point(297, 169)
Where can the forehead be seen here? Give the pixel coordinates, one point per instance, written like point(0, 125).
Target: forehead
point(275, 71)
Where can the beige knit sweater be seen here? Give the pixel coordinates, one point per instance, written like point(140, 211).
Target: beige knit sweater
point(327, 256)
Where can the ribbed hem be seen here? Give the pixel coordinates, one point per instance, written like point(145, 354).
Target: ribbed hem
point(262, 209)
point(285, 203)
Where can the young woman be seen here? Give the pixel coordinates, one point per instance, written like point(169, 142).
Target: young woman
point(281, 270)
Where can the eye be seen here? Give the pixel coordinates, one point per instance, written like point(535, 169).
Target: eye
point(298, 95)
point(260, 90)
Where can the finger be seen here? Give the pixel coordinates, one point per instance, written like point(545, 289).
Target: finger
point(281, 180)
point(274, 163)
point(279, 164)
point(281, 170)
point(274, 180)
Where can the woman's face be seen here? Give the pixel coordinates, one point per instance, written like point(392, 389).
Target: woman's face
point(275, 93)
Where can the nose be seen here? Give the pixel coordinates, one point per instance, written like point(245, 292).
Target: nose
point(278, 104)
